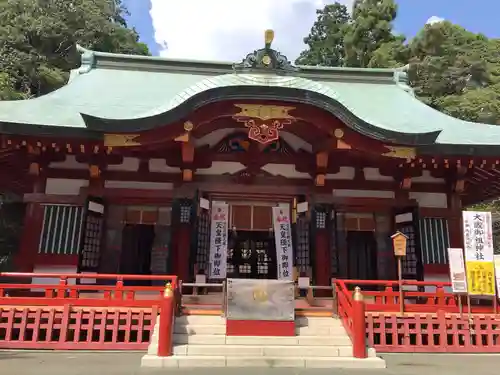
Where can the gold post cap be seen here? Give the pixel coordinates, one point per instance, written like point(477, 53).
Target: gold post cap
point(168, 290)
point(358, 296)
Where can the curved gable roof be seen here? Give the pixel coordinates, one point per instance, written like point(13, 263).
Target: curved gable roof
point(120, 92)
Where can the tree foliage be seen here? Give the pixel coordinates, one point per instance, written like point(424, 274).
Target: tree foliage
point(38, 39)
point(451, 69)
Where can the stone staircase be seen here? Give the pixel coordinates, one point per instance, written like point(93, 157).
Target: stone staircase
point(200, 341)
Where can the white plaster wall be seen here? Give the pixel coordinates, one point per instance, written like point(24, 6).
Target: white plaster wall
point(285, 170)
point(344, 173)
point(373, 174)
point(222, 167)
point(69, 163)
point(427, 178)
point(115, 184)
point(61, 186)
point(129, 165)
point(295, 142)
point(160, 166)
point(348, 193)
point(58, 270)
point(213, 138)
point(430, 200)
point(439, 278)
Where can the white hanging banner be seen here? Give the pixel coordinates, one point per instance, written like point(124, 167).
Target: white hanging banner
point(478, 241)
point(478, 236)
point(283, 238)
point(457, 270)
point(218, 240)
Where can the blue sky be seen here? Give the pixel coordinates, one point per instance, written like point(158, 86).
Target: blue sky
point(199, 29)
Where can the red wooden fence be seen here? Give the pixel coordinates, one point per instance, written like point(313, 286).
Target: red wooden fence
point(70, 315)
point(431, 321)
point(76, 328)
point(71, 289)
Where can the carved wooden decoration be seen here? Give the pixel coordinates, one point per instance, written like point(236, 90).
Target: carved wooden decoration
point(406, 183)
point(263, 121)
point(34, 169)
point(121, 140)
point(94, 171)
point(187, 175)
point(459, 186)
point(321, 166)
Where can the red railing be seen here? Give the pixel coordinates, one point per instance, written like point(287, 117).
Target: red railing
point(71, 314)
point(432, 321)
point(418, 297)
point(70, 328)
point(74, 289)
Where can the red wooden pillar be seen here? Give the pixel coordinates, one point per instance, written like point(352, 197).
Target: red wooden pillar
point(321, 249)
point(455, 220)
point(183, 230)
point(24, 260)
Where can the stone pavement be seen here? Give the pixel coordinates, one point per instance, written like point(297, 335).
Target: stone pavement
point(126, 363)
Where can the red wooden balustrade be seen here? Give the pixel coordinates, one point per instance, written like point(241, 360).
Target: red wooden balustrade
point(418, 297)
point(431, 321)
point(72, 289)
point(70, 315)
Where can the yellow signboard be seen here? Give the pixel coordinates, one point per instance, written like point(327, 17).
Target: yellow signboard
point(480, 278)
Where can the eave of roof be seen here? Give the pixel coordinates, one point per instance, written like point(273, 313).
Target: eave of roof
point(113, 92)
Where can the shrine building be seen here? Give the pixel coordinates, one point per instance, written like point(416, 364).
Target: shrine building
point(119, 168)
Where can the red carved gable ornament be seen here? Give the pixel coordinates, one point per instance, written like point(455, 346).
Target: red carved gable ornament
point(263, 121)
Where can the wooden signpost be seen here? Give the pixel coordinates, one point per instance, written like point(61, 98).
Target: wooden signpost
point(399, 243)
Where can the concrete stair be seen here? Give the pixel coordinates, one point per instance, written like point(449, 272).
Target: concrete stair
point(200, 341)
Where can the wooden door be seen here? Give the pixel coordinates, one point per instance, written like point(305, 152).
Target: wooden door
point(361, 255)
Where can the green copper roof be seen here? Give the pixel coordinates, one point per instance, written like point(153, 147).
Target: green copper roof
point(111, 89)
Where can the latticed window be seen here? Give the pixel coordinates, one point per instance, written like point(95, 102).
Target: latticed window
point(410, 261)
point(263, 258)
point(434, 239)
point(62, 230)
point(334, 247)
point(302, 246)
point(185, 214)
point(203, 239)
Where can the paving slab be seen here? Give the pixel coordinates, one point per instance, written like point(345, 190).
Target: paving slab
point(128, 363)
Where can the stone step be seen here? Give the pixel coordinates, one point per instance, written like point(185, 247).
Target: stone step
point(201, 319)
point(304, 321)
point(200, 329)
point(263, 351)
point(320, 331)
point(264, 362)
point(261, 340)
point(183, 339)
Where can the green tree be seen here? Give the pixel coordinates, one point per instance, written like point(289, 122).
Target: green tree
point(326, 39)
point(38, 39)
point(371, 27)
point(447, 60)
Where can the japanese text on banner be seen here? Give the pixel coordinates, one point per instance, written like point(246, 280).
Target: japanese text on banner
point(283, 238)
point(218, 241)
point(481, 278)
point(478, 241)
point(478, 236)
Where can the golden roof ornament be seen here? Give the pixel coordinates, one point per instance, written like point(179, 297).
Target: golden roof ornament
point(268, 38)
point(266, 58)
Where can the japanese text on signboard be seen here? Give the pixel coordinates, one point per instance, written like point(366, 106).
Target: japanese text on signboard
point(283, 238)
point(478, 241)
point(218, 241)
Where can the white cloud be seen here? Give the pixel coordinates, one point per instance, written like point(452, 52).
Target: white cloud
point(434, 19)
point(227, 30)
